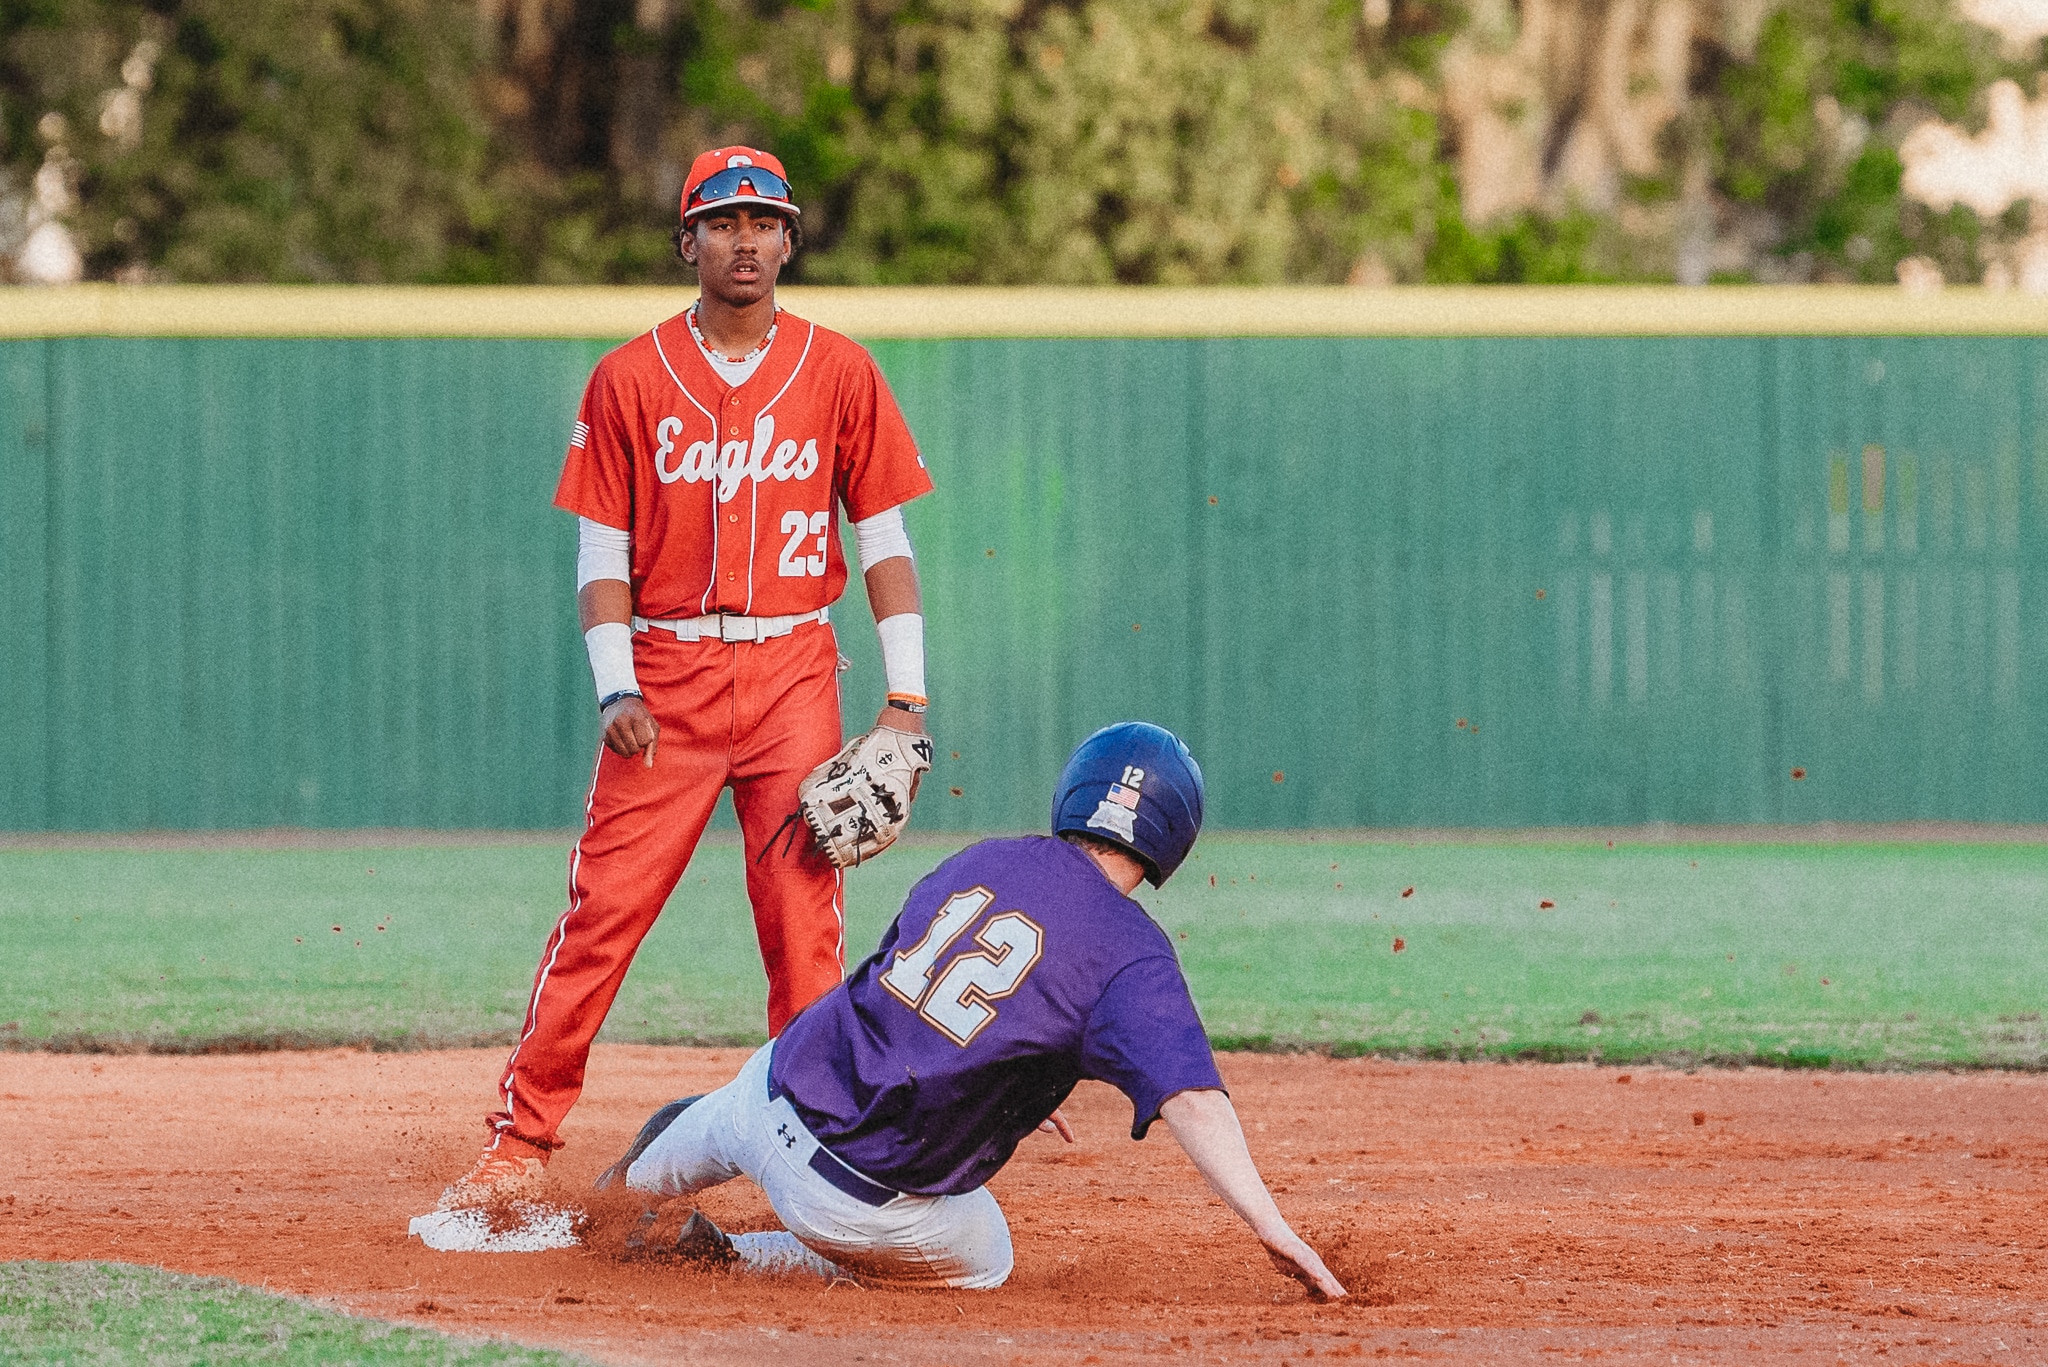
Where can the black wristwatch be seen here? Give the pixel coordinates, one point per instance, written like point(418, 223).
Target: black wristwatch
point(604, 703)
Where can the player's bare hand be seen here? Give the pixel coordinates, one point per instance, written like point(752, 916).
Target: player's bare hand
point(630, 729)
point(1294, 1258)
point(1057, 1123)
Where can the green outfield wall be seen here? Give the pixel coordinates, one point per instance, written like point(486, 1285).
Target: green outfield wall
point(1427, 566)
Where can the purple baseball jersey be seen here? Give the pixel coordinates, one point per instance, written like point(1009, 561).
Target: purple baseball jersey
point(1014, 970)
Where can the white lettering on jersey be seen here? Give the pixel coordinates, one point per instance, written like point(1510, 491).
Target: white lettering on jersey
point(736, 462)
point(911, 974)
point(698, 461)
point(958, 1005)
point(798, 524)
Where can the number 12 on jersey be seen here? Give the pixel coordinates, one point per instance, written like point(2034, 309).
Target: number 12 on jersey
point(957, 1005)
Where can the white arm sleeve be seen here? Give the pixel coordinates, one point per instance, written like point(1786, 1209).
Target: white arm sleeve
point(880, 538)
point(604, 553)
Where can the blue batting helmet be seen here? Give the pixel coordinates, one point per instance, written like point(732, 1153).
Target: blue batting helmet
point(1135, 785)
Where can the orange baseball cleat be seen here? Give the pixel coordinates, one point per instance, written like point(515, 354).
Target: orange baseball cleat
point(508, 1167)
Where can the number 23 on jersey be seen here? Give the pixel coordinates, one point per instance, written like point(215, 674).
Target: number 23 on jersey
point(957, 1002)
point(799, 526)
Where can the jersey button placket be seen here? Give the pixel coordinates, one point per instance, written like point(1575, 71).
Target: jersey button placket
point(732, 552)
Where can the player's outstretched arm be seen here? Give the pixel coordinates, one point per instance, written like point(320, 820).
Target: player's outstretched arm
point(1206, 1125)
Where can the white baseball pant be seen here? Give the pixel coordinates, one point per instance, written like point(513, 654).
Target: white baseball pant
point(955, 1241)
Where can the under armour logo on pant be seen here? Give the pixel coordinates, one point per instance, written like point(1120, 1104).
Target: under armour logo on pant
point(788, 1139)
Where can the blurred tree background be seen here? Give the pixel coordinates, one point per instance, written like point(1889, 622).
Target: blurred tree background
point(1000, 141)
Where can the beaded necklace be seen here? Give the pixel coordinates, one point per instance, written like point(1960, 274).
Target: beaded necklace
point(766, 342)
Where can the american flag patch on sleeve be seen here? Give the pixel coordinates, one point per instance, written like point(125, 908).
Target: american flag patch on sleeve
point(579, 435)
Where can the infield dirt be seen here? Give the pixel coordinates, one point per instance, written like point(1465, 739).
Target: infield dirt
point(1480, 1212)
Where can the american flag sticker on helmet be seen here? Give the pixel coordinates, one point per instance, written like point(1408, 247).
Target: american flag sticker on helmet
point(579, 435)
point(1123, 797)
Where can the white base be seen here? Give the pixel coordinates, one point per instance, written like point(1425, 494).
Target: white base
point(469, 1231)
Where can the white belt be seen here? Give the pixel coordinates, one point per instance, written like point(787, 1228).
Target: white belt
point(720, 626)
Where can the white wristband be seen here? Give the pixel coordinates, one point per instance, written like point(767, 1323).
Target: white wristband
point(611, 658)
point(903, 652)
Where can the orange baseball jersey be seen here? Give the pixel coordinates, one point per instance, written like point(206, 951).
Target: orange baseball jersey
point(732, 495)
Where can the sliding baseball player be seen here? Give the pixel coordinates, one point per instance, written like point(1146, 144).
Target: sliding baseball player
point(1016, 968)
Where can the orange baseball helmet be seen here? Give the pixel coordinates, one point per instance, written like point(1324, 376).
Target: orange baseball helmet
point(737, 175)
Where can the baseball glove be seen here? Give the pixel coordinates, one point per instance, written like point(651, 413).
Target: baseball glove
point(858, 802)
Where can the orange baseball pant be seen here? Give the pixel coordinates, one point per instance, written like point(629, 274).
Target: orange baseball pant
point(753, 715)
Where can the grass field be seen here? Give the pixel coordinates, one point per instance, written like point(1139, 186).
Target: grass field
point(106, 1312)
point(1871, 955)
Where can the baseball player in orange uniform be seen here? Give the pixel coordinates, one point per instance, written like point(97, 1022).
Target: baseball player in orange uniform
point(707, 465)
